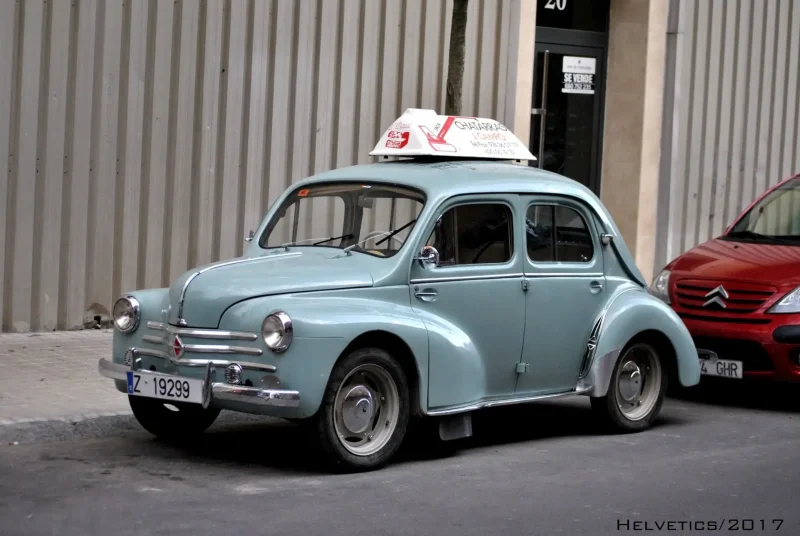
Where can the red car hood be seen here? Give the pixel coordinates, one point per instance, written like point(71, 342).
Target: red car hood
point(724, 259)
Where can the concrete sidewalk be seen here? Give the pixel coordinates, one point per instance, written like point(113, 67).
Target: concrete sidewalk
point(53, 377)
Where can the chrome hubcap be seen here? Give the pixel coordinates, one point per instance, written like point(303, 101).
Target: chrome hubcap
point(366, 409)
point(630, 382)
point(357, 409)
point(638, 381)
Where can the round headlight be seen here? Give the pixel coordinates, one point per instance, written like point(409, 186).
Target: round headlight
point(126, 314)
point(277, 331)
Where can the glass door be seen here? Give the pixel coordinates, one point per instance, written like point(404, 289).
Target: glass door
point(566, 133)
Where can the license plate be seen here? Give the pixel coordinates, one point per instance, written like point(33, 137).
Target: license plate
point(722, 368)
point(165, 387)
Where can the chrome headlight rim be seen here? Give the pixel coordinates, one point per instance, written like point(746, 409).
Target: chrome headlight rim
point(789, 303)
point(660, 286)
point(134, 306)
point(285, 331)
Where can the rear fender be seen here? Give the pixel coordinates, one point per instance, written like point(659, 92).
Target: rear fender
point(630, 313)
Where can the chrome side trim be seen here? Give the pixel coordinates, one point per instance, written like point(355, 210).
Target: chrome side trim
point(204, 333)
point(504, 276)
point(200, 362)
point(463, 278)
point(565, 274)
point(191, 278)
point(503, 402)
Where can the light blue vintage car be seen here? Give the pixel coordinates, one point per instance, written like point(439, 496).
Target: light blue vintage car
point(418, 288)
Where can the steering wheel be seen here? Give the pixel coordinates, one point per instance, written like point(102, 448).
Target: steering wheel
point(377, 234)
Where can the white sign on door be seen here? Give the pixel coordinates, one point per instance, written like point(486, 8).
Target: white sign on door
point(578, 75)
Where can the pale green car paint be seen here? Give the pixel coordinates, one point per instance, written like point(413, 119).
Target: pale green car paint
point(458, 363)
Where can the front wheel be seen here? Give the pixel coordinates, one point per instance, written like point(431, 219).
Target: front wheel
point(172, 420)
point(365, 411)
point(636, 391)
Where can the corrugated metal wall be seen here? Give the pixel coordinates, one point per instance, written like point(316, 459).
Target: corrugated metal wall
point(732, 113)
point(139, 138)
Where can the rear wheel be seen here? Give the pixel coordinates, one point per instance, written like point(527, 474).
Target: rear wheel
point(172, 420)
point(636, 391)
point(365, 411)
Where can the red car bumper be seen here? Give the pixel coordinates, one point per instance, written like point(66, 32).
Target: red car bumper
point(769, 351)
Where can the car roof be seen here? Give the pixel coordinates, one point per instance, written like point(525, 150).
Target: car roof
point(458, 177)
point(440, 178)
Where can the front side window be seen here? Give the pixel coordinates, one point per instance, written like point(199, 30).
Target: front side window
point(556, 233)
point(774, 219)
point(374, 218)
point(479, 233)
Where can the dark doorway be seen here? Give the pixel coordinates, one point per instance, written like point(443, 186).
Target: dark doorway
point(567, 111)
point(569, 88)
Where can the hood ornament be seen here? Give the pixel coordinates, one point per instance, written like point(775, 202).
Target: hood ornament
point(716, 297)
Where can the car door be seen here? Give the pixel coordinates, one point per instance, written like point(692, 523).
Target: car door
point(563, 267)
point(472, 301)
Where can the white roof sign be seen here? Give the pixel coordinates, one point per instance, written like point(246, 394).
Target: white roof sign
point(425, 133)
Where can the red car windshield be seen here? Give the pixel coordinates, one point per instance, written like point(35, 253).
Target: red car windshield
point(775, 218)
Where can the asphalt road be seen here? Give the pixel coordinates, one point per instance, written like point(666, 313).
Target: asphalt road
point(723, 456)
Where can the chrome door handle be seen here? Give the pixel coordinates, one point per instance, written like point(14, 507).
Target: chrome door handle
point(596, 286)
point(428, 294)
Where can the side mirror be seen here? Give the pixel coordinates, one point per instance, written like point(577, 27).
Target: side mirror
point(428, 257)
point(250, 236)
point(606, 238)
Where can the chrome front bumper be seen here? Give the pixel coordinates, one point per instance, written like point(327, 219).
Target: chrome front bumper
point(218, 392)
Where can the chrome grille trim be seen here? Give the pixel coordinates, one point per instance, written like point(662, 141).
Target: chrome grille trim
point(202, 362)
point(221, 349)
point(204, 333)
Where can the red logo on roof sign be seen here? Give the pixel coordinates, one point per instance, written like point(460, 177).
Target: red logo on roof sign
point(396, 140)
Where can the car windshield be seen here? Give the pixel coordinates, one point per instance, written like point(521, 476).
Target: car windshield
point(774, 219)
point(371, 218)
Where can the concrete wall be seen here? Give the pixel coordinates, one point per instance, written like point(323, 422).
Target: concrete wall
point(139, 138)
point(731, 114)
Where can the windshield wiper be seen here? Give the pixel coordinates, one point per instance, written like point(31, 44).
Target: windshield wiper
point(318, 240)
point(387, 237)
point(758, 236)
point(745, 234)
point(348, 235)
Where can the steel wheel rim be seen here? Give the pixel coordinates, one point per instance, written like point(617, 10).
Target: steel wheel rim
point(638, 381)
point(366, 409)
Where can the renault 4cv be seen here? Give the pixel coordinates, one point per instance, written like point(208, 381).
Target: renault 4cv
point(450, 278)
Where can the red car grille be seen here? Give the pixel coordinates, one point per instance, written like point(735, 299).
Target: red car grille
point(698, 296)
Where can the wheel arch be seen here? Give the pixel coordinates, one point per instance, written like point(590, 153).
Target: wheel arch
point(636, 315)
point(395, 346)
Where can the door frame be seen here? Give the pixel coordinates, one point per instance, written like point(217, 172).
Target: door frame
point(579, 43)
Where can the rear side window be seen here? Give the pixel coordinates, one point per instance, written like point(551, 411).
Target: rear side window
point(479, 233)
point(557, 234)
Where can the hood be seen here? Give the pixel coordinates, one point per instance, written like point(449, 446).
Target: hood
point(210, 290)
point(746, 261)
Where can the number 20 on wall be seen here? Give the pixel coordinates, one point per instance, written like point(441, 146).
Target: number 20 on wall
point(560, 5)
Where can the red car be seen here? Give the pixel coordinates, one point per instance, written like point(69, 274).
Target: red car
point(739, 294)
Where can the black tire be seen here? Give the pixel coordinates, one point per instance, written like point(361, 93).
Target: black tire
point(191, 420)
point(606, 408)
point(323, 426)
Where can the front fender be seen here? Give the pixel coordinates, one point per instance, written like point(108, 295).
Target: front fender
point(324, 324)
point(630, 313)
